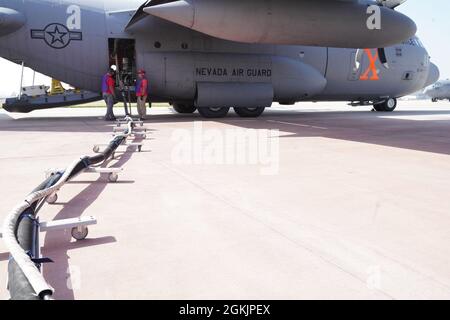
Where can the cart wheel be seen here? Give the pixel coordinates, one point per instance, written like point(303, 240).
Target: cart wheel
point(80, 233)
point(96, 149)
point(51, 199)
point(140, 148)
point(113, 177)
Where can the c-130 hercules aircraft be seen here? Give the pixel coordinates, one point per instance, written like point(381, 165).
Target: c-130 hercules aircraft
point(213, 55)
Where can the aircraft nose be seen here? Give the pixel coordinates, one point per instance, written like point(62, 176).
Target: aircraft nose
point(433, 75)
point(10, 21)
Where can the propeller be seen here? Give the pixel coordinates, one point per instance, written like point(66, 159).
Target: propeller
point(390, 3)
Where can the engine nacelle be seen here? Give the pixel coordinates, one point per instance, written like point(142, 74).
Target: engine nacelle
point(325, 23)
point(10, 21)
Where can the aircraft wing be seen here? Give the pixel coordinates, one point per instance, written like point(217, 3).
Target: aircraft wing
point(140, 14)
point(278, 22)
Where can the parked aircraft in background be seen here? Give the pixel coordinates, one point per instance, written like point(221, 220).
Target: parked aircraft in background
point(439, 91)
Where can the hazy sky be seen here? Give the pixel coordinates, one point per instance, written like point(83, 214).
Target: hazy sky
point(433, 21)
point(432, 18)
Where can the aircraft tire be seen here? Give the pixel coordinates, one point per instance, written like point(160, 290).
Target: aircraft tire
point(184, 108)
point(387, 106)
point(213, 113)
point(249, 112)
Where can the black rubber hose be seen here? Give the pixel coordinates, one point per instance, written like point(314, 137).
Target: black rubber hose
point(107, 152)
point(98, 159)
point(18, 285)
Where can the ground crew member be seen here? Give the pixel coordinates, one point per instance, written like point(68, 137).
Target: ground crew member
point(109, 95)
point(142, 94)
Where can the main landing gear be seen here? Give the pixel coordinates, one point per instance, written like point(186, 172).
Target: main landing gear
point(210, 113)
point(249, 112)
point(184, 108)
point(213, 113)
point(216, 112)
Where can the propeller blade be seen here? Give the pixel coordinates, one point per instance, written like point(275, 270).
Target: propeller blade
point(390, 3)
point(358, 58)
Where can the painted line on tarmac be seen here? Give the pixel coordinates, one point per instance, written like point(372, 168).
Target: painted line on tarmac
point(431, 117)
point(297, 124)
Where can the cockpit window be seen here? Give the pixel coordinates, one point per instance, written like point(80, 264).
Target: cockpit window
point(420, 43)
point(415, 41)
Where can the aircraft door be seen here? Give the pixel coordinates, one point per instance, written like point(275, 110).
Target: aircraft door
point(122, 54)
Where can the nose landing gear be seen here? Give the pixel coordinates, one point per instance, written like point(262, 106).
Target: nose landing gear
point(388, 105)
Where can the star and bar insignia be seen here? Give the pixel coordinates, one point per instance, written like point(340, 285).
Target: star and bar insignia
point(56, 35)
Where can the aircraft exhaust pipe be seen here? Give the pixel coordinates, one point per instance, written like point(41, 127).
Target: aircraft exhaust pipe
point(327, 23)
point(10, 21)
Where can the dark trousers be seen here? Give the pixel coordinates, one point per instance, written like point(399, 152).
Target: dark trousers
point(109, 100)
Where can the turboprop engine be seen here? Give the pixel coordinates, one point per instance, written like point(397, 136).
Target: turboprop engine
point(326, 23)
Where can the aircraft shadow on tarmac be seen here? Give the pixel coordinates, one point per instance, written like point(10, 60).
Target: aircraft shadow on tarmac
point(429, 135)
point(4, 256)
point(55, 124)
point(397, 130)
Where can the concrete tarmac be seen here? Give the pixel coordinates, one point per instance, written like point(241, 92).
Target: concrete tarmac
point(314, 201)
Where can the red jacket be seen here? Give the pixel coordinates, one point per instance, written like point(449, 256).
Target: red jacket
point(107, 83)
point(142, 88)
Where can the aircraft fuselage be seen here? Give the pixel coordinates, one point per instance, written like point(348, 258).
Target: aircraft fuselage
point(71, 41)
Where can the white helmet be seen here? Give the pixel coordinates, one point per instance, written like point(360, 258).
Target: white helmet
point(114, 68)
